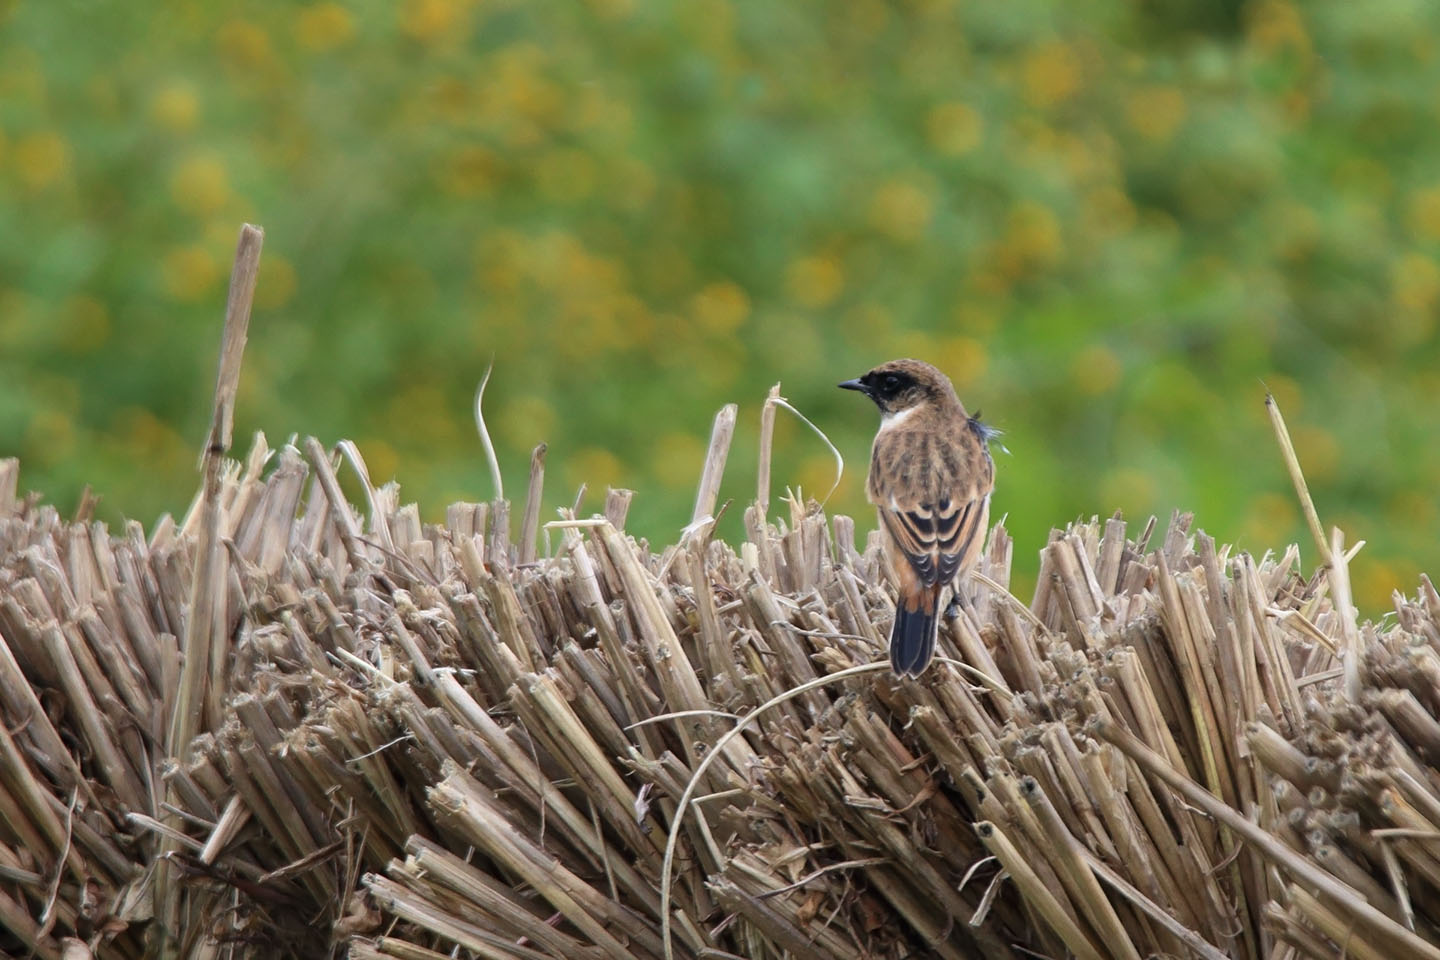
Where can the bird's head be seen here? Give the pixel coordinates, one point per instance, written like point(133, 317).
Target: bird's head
point(901, 385)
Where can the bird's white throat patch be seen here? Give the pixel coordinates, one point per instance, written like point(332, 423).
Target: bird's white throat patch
point(888, 420)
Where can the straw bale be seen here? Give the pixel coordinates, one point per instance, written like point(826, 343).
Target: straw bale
point(414, 738)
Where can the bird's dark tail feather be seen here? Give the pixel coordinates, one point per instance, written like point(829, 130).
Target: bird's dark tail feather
point(912, 640)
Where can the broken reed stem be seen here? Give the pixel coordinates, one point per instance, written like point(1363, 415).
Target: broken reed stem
point(243, 275)
point(1292, 466)
point(617, 506)
point(196, 698)
point(345, 524)
point(205, 657)
point(350, 454)
point(767, 440)
point(721, 434)
point(202, 676)
point(530, 525)
point(1353, 649)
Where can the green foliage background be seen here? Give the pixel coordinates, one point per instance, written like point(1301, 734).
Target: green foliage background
point(1109, 222)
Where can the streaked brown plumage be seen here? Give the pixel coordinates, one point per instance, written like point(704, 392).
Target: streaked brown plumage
point(930, 480)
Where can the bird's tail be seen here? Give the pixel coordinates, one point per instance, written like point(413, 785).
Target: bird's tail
point(912, 639)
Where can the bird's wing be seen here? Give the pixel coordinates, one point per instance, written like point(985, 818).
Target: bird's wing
point(939, 539)
point(939, 526)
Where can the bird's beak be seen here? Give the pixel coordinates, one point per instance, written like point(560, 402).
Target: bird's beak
point(854, 385)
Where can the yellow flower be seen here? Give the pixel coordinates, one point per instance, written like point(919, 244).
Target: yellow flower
point(200, 185)
point(964, 360)
point(597, 110)
point(1106, 212)
point(1415, 282)
point(41, 159)
point(519, 97)
point(324, 26)
point(954, 128)
point(243, 45)
point(595, 467)
point(468, 171)
point(500, 260)
point(1286, 393)
point(720, 308)
point(1050, 74)
point(1095, 370)
point(1156, 112)
point(1275, 25)
point(188, 273)
point(175, 107)
point(814, 282)
point(900, 210)
point(430, 20)
point(1295, 227)
point(1424, 213)
point(1033, 234)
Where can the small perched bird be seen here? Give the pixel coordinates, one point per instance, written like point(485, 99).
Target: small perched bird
point(930, 480)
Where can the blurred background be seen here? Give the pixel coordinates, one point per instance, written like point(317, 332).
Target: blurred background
point(1113, 224)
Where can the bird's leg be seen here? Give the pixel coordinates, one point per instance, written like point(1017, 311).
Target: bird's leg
point(960, 598)
point(953, 608)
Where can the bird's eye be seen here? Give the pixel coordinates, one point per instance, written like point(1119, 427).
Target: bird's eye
point(892, 382)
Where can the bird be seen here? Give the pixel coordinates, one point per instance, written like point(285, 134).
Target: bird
point(930, 480)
